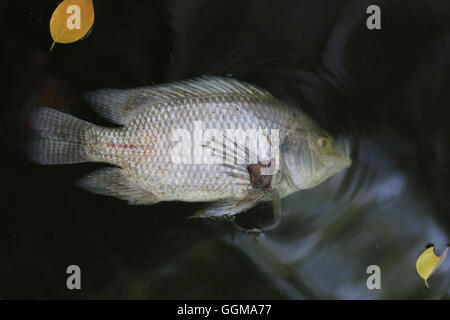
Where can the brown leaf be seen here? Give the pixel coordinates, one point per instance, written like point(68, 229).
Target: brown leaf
point(71, 21)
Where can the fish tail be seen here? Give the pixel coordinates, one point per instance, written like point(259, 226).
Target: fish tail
point(58, 138)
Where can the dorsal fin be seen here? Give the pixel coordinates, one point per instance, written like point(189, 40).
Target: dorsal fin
point(204, 86)
point(118, 105)
point(111, 104)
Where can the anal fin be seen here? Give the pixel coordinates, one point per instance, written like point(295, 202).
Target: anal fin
point(114, 182)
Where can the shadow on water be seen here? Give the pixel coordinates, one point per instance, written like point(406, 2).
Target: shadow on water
point(387, 91)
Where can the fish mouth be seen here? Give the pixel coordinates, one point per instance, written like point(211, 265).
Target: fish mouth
point(343, 150)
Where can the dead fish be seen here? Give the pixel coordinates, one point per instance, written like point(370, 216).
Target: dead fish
point(142, 149)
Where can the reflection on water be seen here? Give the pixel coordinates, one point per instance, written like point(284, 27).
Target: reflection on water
point(369, 215)
point(382, 211)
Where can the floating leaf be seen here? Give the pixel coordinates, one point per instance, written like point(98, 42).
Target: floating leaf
point(71, 20)
point(428, 262)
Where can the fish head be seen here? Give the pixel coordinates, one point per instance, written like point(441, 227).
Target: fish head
point(313, 157)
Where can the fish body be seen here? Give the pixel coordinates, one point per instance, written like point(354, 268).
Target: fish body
point(201, 114)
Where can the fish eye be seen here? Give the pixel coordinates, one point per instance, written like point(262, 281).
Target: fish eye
point(323, 142)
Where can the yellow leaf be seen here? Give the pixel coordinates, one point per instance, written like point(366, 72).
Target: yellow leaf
point(428, 262)
point(71, 20)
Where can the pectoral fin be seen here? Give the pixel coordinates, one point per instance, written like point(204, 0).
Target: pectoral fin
point(277, 214)
point(230, 207)
point(114, 182)
point(227, 207)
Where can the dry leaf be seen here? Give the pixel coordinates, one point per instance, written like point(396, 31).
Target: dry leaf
point(71, 21)
point(428, 262)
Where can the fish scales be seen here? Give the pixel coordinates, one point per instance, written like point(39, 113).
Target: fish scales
point(141, 148)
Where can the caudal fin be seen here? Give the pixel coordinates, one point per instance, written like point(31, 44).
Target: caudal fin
point(57, 137)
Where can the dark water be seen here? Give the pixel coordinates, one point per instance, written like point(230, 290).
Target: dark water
point(387, 90)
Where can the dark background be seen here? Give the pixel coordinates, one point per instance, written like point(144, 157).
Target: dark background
point(388, 90)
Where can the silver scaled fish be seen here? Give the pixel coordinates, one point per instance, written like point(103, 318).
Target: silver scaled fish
point(186, 121)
